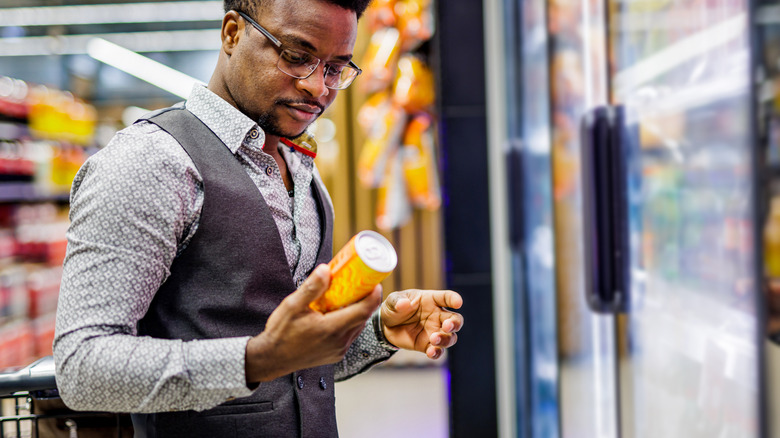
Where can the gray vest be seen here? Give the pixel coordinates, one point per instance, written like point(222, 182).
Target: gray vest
point(226, 283)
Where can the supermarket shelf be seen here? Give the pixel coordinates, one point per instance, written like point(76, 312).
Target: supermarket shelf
point(27, 192)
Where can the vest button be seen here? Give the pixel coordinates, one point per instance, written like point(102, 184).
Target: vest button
point(300, 382)
point(323, 383)
point(254, 134)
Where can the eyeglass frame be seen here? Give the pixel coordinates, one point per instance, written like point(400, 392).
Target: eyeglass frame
point(278, 44)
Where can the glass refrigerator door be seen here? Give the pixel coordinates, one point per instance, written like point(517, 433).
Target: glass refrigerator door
point(586, 340)
point(532, 227)
point(520, 111)
point(681, 73)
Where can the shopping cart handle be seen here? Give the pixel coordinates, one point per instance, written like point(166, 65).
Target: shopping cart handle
point(37, 376)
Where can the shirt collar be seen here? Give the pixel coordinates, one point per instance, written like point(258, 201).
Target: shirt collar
point(225, 120)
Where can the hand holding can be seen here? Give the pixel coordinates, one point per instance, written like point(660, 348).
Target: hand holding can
point(366, 260)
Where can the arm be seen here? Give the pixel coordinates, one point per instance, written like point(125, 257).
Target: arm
point(369, 349)
point(132, 204)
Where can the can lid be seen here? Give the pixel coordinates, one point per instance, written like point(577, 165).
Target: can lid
point(375, 251)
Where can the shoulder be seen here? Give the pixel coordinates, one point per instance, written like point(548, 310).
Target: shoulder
point(140, 149)
point(142, 157)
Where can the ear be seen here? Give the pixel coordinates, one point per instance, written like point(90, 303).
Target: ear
point(232, 31)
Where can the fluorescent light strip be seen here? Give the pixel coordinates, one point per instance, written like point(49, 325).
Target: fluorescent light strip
point(678, 53)
point(163, 41)
point(114, 13)
point(143, 68)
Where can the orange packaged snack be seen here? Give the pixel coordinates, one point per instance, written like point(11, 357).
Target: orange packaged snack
point(380, 59)
point(414, 19)
point(419, 163)
point(373, 109)
point(366, 260)
point(393, 208)
point(380, 145)
point(380, 14)
point(414, 85)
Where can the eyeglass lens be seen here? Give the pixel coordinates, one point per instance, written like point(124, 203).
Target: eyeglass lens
point(301, 65)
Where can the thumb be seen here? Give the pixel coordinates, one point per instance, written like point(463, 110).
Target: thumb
point(397, 306)
point(315, 285)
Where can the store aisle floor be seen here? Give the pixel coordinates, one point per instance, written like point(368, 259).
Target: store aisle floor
point(394, 402)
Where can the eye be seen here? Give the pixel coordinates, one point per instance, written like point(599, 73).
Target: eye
point(295, 58)
point(335, 69)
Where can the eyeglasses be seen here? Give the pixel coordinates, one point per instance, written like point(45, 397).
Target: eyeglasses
point(301, 65)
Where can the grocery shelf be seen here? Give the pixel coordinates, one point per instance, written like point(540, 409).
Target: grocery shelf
point(12, 192)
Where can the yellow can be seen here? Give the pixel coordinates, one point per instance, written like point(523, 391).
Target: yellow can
point(366, 260)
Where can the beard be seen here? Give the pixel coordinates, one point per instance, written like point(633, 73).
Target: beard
point(270, 123)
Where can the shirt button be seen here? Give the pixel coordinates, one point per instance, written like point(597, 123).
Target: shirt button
point(323, 383)
point(300, 382)
point(269, 170)
point(365, 353)
point(254, 133)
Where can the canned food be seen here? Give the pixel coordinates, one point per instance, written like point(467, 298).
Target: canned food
point(366, 260)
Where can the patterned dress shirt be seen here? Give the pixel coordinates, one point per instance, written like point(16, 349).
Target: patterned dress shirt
point(135, 205)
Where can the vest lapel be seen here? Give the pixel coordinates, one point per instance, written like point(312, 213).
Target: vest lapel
point(325, 252)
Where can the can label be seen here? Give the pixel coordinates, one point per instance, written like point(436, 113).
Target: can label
point(366, 260)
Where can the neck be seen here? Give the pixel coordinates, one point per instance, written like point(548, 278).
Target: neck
point(271, 145)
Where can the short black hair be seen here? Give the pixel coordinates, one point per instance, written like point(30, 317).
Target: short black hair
point(248, 6)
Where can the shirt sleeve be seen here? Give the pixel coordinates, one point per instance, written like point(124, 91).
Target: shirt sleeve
point(132, 204)
point(369, 349)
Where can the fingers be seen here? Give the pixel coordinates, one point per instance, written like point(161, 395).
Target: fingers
point(448, 298)
point(397, 301)
point(314, 286)
point(451, 322)
point(358, 312)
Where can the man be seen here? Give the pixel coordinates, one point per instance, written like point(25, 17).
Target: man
point(198, 239)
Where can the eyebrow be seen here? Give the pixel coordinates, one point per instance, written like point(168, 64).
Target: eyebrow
point(294, 41)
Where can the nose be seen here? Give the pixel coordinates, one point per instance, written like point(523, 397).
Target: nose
point(314, 85)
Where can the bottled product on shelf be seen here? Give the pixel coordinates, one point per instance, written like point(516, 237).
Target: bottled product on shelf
point(32, 248)
point(43, 135)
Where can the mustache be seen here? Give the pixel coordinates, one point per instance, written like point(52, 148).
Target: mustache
point(303, 101)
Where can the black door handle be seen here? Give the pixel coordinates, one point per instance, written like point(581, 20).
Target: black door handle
point(605, 208)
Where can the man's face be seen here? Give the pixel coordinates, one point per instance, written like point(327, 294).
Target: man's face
point(282, 105)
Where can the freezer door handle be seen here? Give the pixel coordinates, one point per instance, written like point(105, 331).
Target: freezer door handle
point(605, 229)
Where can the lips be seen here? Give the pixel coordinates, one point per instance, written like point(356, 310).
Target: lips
point(304, 111)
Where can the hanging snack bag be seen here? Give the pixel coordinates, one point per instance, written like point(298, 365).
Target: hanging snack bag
point(414, 19)
point(393, 208)
point(372, 109)
point(419, 163)
point(380, 59)
point(380, 14)
point(413, 89)
point(382, 141)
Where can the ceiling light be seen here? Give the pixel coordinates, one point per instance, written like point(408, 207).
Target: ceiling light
point(163, 41)
point(113, 13)
point(143, 68)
